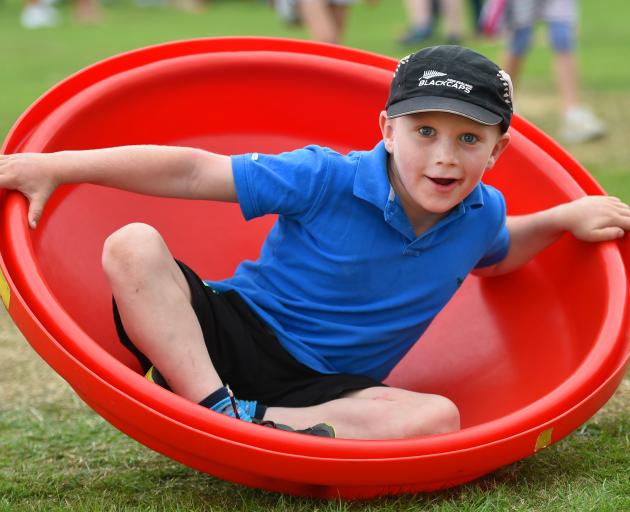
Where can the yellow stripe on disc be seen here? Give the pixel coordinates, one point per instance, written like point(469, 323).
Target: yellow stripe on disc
point(5, 291)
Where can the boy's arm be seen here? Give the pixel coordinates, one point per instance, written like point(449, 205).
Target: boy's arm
point(156, 170)
point(591, 218)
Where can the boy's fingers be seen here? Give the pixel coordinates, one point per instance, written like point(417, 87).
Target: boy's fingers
point(33, 217)
point(603, 234)
point(35, 209)
point(622, 220)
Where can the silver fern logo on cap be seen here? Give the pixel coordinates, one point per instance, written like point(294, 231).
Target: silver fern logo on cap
point(431, 73)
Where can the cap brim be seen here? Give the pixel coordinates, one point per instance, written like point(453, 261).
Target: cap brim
point(442, 104)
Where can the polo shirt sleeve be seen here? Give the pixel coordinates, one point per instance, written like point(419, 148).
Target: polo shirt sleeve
point(500, 241)
point(289, 184)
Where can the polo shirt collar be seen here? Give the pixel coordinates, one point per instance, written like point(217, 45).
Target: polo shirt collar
point(370, 182)
point(474, 199)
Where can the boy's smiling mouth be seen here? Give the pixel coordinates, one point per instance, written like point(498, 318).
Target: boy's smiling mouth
point(443, 182)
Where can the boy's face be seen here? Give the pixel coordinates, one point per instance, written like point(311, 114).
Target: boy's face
point(437, 159)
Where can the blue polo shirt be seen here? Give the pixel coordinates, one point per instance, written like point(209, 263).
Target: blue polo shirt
point(342, 279)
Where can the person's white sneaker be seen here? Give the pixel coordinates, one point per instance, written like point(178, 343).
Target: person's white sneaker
point(38, 16)
point(581, 125)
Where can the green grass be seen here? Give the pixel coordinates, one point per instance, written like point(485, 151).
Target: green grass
point(56, 454)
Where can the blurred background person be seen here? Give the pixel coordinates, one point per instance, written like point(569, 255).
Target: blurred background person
point(325, 20)
point(476, 7)
point(38, 14)
point(87, 11)
point(42, 13)
point(193, 6)
point(287, 10)
point(579, 123)
point(423, 16)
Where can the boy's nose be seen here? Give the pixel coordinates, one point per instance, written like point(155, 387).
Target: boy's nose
point(445, 153)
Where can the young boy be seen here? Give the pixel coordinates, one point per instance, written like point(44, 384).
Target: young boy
point(367, 249)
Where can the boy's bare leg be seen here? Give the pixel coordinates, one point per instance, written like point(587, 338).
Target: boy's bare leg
point(153, 300)
point(376, 413)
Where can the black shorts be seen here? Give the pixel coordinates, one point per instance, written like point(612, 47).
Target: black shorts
point(248, 356)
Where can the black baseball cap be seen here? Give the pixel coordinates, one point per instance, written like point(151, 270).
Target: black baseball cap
point(454, 79)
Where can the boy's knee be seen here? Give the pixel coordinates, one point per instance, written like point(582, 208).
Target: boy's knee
point(133, 243)
point(445, 416)
point(439, 416)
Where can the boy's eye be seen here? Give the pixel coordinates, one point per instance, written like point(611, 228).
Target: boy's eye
point(469, 138)
point(426, 131)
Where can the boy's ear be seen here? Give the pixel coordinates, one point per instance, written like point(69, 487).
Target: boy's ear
point(499, 147)
point(387, 130)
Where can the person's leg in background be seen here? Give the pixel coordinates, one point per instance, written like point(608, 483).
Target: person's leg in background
point(87, 11)
point(325, 21)
point(519, 40)
point(452, 11)
point(580, 124)
point(422, 16)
